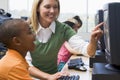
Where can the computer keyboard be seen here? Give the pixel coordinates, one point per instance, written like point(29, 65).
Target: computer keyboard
point(71, 77)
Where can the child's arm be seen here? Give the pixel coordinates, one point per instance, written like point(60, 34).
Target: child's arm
point(70, 49)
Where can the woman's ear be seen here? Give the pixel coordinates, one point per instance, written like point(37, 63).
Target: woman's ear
point(16, 41)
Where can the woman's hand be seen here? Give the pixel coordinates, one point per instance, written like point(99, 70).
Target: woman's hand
point(95, 36)
point(97, 32)
point(57, 75)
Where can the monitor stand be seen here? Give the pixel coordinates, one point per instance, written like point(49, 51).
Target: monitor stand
point(99, 72)
point(112, 67)
point(99, 58)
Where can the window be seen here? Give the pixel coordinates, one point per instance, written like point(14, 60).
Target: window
point(70, 8)
point(84, 8)
point(21, 7)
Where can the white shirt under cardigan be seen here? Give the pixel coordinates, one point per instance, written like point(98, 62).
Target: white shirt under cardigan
point(43, 35)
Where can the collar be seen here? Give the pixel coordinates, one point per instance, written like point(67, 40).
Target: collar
point(51, 27)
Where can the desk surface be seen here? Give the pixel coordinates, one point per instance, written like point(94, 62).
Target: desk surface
point(83, 75)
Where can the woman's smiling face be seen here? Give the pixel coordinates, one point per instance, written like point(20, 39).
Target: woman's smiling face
point(48, 11)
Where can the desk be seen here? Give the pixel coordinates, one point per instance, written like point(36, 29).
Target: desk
point(83, 75)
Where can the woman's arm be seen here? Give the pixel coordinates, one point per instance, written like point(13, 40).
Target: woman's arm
point(45, 76)
point(95, 36)
point(36, 73)
point(83, 47)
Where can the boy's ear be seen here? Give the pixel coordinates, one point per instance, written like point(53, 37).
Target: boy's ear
point(16, 41)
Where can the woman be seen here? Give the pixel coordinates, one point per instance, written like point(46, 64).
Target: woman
point(50, 35)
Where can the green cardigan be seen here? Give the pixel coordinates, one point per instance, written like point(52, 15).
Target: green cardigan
point(44, 57)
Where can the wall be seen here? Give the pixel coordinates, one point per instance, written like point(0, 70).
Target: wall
point(4, 4)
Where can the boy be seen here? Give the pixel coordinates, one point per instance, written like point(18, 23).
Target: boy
point(18, 38)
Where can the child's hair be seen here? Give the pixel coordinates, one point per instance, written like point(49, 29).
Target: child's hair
point(78, 19)
point(8, 30)
point(72, 21)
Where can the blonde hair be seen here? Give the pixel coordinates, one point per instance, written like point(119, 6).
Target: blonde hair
point(35, 15)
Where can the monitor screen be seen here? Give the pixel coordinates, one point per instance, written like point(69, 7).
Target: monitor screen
point(111, 35)
point(98, 19)
point(106, 35)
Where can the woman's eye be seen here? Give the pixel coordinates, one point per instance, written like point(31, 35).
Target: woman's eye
point(47, 6)
point(55, 7)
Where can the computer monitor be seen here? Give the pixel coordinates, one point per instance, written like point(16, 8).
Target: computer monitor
point(100, 52)
point(112, 35)
point(99, 19)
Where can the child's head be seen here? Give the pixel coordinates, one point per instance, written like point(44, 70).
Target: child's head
point(78, 21)
point(16, 34)
point(74, 22)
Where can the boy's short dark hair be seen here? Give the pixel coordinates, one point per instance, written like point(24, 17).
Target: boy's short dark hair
point(9, 29)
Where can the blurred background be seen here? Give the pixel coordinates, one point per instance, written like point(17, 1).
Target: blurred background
point(86, 9)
